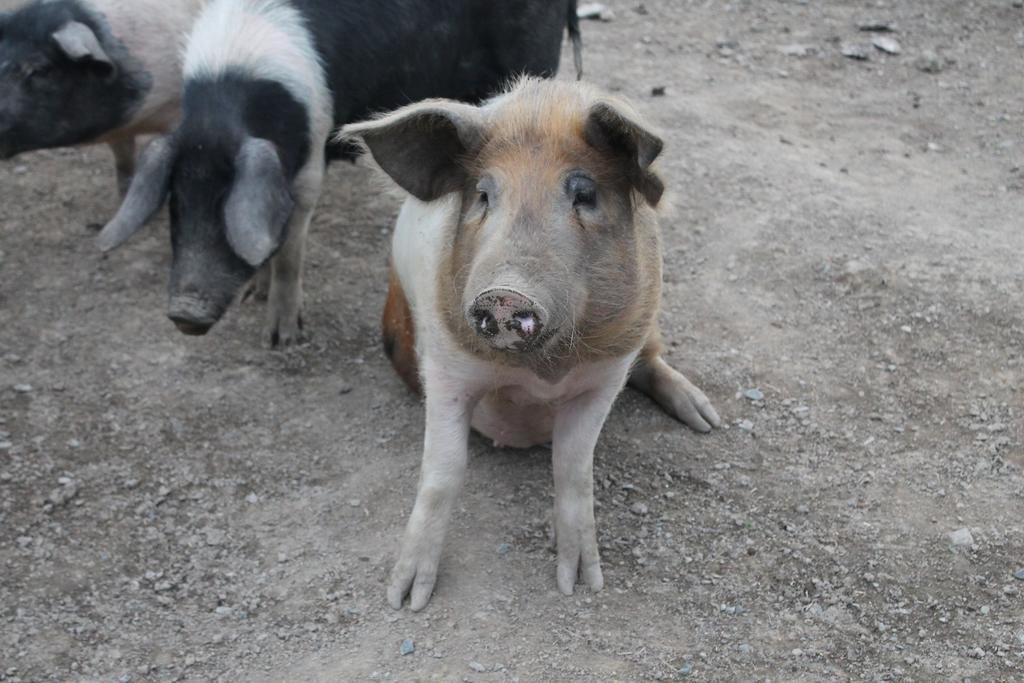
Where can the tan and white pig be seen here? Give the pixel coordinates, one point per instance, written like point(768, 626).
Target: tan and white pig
point(525, 287)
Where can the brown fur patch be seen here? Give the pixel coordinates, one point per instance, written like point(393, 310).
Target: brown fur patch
point(399, 334)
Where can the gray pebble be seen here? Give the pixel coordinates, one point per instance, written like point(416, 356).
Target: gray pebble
point(887, 45)
point(1019, 574)
point(23, 388)
point(504, 549)
point(961, 537)
point(638, 509)
point(477, 667)
point(746, 425)
point(854, 51)
point(686, 669)
point(929, 62)
point(407, 647)
point(754, 394)
point(745, 648)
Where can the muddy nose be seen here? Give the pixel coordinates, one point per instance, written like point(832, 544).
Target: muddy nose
point(190, 316)
point(507, 319)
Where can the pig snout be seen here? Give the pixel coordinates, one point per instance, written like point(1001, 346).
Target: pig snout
point(507, 319)
point(192, 314)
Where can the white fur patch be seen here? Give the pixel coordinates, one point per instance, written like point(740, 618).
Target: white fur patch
point(266, 39)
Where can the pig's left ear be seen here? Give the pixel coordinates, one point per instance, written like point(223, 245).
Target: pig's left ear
point(423, 146)
point(145, 195)
point(79, 43)
point(612, 129)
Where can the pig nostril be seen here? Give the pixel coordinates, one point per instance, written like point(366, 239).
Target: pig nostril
point(484, 323)
point(526, 322)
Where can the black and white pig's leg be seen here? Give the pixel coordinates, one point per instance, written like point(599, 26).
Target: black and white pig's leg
point(577, 426)
point(124, 163)
point(284, 298)
point(671, 390)
point(449, 406)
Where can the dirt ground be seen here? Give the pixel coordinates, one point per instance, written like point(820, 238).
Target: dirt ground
point(845, 236)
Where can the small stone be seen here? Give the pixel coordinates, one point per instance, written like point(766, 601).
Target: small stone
point(1019, 574)
point(594, 10)
point(803, 509)
point(345, 388)
point(354, 503)
point(746, 425)
point(223, 611)
point(854, 51)
point(977, 653)
point(74, 443)
point(875, 25)
point(23, 388)
point(887, 45)
point(20, 170)
point(477, 667)
point(796, 50)
point(658, 91)
point(745, 648)
point(961, 537)
point(63, 493)
point(504, 549)
point(797, 652)
point(638, 509)
point(686, 669)
point(6, 445)
point(929, 62)
point(252, 499)
point(282, 557)
point(407, 647)
point(754, 394)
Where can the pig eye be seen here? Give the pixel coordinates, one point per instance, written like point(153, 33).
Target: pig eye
point(485, 191)
point(583, 191)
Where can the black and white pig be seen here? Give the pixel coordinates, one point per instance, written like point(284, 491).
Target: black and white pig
point(91, 71)
point(266, 81)
point(525, 289)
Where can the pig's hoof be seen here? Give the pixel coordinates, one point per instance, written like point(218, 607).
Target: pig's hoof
point(282, 334)
point(578, 557)
point(691, 407)
point(413, 578)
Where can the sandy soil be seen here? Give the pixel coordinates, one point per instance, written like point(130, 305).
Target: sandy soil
point(845, 236)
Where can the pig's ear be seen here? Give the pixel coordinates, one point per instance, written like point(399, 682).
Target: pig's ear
point(260, 203)
point(78, 42)
point(145, 195)
point(612, 128)
point(423, 146)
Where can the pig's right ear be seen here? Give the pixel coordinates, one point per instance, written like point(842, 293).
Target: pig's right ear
point(145, 196)
point(423, 146)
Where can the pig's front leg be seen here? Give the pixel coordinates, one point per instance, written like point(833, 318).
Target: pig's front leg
point(676, 395)
point(449, 407)
point(284, 298)
point(124, 163)
point(258, 288)
point(577, 426)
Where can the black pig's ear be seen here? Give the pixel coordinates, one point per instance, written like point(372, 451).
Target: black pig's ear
point(423, 146)
point(613, 128)
point(79, 43)
point(260, 203)
point(145, 195)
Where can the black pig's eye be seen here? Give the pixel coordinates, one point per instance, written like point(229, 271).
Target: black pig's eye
point(583, 191)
